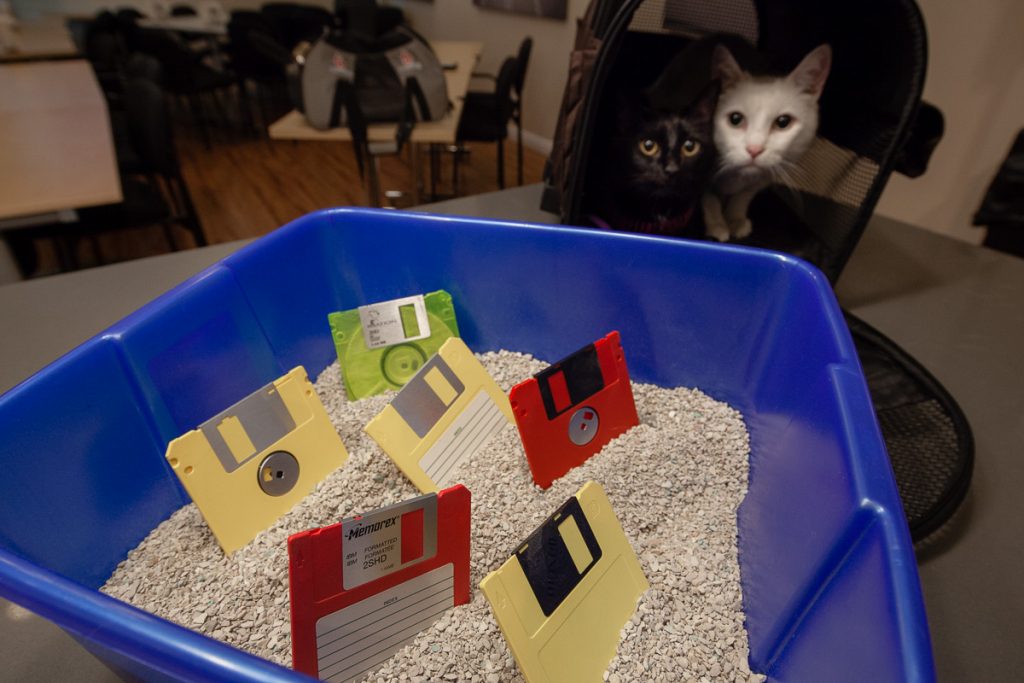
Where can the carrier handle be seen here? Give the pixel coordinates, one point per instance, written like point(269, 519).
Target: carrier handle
point(925, 134)
point(345, 96)
point(413, 90)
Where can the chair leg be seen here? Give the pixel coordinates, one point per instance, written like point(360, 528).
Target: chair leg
point(67, 256)
point(97, 255)
point(455, 170)
point(245, 105)
point(519, 150)
point(23, 247)
point(221, 111)
point(169, 236)
point(198, 113)
point(191, 216)
point(501, 164)
point(264, 95)
point(435, 167)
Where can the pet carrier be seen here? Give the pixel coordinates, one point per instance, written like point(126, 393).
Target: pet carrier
point(872, 122)
point(872, 117)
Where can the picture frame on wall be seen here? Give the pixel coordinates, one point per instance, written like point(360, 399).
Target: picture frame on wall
point(546, 9)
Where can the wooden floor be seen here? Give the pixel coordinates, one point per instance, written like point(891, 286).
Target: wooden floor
point(246, 187)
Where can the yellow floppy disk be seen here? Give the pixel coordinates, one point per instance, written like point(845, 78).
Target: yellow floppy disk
point(249, 465)
point(562, 599)
point(449, 410)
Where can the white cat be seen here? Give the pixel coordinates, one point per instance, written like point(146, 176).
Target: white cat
point(763, 124)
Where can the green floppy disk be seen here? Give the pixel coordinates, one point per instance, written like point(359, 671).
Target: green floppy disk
point(381, 346)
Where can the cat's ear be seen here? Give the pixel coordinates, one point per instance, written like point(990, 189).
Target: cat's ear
point(725, 68)
point(629, 106)
point(703, 108)
point(811, 72)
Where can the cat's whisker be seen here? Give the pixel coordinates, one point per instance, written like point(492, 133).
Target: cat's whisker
point(790, 183)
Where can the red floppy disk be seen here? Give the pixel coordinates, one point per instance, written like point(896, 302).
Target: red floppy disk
point(571, 410)
point(362, 589)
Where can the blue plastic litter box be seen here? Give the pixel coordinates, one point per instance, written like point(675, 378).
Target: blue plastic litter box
point(830, 583)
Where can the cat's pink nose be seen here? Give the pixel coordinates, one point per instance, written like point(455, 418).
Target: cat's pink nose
point(754, 150)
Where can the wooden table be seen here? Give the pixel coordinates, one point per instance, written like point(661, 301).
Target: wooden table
point(293, 126)
point(56, 148)
point(43, 38)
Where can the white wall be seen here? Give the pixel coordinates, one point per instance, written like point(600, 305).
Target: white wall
point(976, 77)
point(501, 33)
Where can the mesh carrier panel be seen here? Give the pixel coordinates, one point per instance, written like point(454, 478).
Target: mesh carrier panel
point(821, 208)
point(929, 441)
point(868, 105)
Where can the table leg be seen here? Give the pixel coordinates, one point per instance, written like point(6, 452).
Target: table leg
point(414, 171)
point(435, 170)
point(373, 164)
point(215, 56)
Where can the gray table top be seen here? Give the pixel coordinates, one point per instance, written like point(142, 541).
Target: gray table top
point(956, 308)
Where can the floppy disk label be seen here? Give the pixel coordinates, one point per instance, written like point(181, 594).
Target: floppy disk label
point(359, 637)
point(447, 412)
point(394, 322)
point(389, 539)
point(472, 430)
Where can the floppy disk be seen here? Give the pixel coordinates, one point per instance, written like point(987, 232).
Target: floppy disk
point(381, 346)
point(250, 464)
point(448, 411)
point(565, 594)
point(571, 410)
point(362, 589)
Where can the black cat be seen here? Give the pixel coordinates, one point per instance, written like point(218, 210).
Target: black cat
point(653, 166)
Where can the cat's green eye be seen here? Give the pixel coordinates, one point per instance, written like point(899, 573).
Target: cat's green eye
point(649, 147)
point(783, 121)
point(690, 147)
point(736, 119)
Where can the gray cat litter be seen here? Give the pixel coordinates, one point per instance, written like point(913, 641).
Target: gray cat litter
point(675, 483)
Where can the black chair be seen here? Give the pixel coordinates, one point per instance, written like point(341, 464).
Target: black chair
point(138, 65)
point(151, 183)
point(185, 74)
point(250, 63)
point(141, 65)
point(367, 17)
point(523, 61)
point(485, 115)
point(156, 192)
point(295, 23)
point(106, 52)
